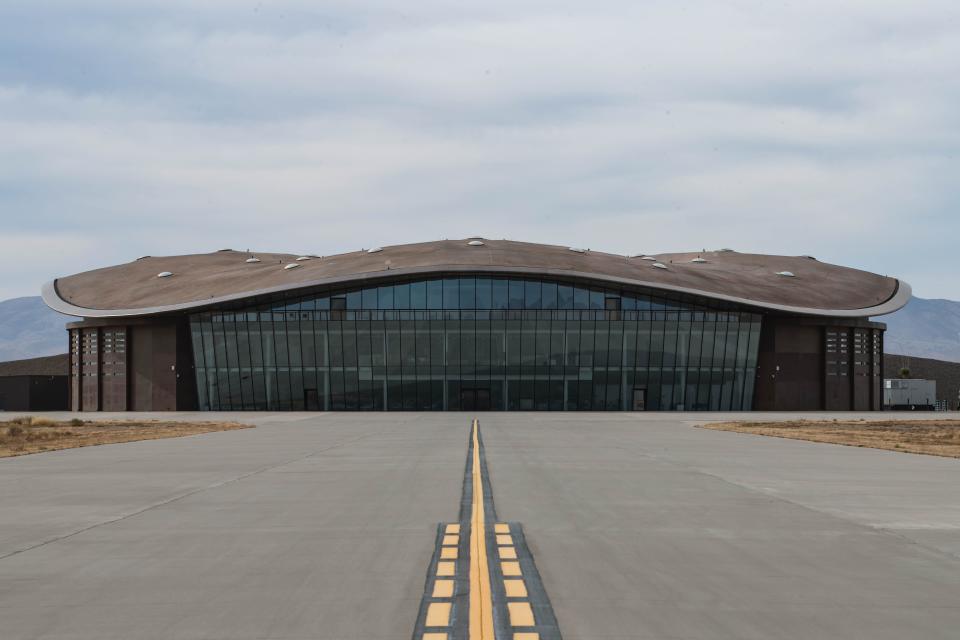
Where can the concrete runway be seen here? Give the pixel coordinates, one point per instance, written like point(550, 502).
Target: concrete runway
point(322, 526)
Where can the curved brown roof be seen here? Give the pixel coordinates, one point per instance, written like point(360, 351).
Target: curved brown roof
point(134, 289)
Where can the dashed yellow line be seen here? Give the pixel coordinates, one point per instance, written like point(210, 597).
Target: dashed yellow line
point(519, 609)
point(443, 589)
point(438, 614)
point(481, 599)
point(515, 588)
point(521, 614)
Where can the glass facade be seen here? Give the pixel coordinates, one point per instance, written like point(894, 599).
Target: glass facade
point(477, 343)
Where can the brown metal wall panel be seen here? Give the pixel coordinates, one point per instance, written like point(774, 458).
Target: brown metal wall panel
point(765, 392)
point(15, 393)
point(113, 368)
point(33, 393)
point(861, 366)
point(806, 364)
point(789, 367)
point(90, 366)
point(165, 368)
point(153, 367)
point(48, 393)
point(75, 371)
point(139, 369)
point(185, 373)
point(798, 380)
point(838, 386)
point(876, 402)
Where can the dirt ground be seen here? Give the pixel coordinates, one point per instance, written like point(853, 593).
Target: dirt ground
point(34, 435)
point(929, 437)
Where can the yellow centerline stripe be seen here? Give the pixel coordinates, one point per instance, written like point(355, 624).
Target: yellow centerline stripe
point(481, 600)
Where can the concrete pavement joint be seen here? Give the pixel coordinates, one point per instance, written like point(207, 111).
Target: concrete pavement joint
point(178, 497)
point(879, 530)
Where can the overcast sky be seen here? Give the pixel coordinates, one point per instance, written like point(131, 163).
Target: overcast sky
point(829, 128)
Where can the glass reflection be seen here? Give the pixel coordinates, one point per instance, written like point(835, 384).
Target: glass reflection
point(477, 343)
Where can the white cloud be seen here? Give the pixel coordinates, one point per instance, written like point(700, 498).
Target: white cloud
point(823, 128)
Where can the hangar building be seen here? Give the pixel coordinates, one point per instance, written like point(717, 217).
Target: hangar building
point(476, 324)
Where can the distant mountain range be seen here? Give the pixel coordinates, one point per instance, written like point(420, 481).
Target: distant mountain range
point(29, 329)
point(924, 329)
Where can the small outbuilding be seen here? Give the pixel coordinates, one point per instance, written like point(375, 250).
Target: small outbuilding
point(36, 384)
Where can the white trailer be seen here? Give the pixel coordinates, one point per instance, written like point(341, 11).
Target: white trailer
point(909, 395)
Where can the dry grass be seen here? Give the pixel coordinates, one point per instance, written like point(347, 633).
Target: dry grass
point(930, 437)
point(32, 434)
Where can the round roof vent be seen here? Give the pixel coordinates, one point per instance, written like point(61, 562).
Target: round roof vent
point(786, 274)
point(292, 265)
point(252, 260)
point(375, 250)
point(164, 274)
point(659, 265)
point(475, 243)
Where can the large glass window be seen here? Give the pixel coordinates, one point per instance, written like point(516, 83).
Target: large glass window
point(477, 343)
point(516, 294)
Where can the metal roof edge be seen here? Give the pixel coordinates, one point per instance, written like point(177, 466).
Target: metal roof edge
point(51, 297)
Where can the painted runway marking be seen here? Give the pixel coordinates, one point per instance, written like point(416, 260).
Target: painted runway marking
point(481, 600)
point(482, 583)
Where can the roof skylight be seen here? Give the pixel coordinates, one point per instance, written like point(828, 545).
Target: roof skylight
point(659, 265)
point(292, 265)
point(786, 274)
point(577, 249)
point(303, 258)
point(698, 260)
point(476, 243)
point(164, 274)
point(375, 250)
point(252, 260)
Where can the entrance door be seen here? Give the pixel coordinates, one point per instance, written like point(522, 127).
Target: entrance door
point(311, 400)
point(483, 400)
point(639, 399)
point(475, 399)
